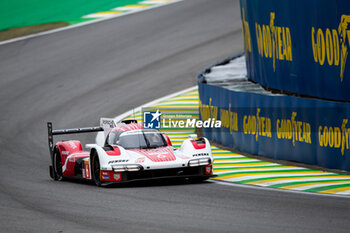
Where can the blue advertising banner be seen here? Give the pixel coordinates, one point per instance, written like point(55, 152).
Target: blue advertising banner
point(299, 46)
point(281, 127)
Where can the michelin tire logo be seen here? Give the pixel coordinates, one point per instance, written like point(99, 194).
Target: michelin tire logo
point(151, 120)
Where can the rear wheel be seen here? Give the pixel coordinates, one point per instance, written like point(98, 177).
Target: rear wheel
point(57, 165)
point(96, 170)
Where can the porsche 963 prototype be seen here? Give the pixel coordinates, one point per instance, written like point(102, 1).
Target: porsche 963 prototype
point(130, 153)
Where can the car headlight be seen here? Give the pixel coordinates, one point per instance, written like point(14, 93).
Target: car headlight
point(198, 162)
point(126, 167)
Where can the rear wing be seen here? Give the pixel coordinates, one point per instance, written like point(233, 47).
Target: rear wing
point(106, 125)
point(52, 132)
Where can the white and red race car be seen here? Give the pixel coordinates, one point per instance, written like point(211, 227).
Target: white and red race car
point(130, 153)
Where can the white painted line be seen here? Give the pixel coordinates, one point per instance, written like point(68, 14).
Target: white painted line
point(249, 176)
point(243, 160)
point(296, 179)
point(279, 190)
point(344, 192)
point(301, 188)
point(81, 24)
point(242, 166)
point(195, 103)
point(227, 157)
point(155, 2)
point(174, 136)
point(257, 169)
point(219, 151)
point(99, 15)
point(130, 8)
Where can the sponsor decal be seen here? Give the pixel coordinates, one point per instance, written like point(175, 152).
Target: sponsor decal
point(104, 122)
point(208, 169)
point(335, 136)
point(117, 177)
point(201, 154)
point(291, 129)
point(106, 177)
point(65, 152)
point(210, 113)
point(273, 41)
point(246, 33)
point(107, 124)
point(86, 171)
point(119, 161)
point(140, 160)
point(257, 125)
point(105, 173)
point(332, 44)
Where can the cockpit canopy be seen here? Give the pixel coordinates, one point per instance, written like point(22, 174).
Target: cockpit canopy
point(137, 139)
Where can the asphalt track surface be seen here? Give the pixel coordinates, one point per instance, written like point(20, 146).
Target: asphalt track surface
point(75, 76)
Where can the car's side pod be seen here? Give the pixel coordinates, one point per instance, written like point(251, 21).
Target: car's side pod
point(52, 132)
point(191, 146)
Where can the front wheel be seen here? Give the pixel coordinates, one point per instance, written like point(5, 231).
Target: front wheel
point(198, 179)
point(96, 170)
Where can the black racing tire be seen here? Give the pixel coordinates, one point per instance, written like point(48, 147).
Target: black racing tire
point(96, 169)
point(198, 179)
point(57, 165)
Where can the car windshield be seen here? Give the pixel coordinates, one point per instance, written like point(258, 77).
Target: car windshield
point(141, 139)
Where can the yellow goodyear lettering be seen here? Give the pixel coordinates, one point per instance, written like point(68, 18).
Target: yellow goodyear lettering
point(274, 41)
point(320, 47)
point(332, 44)
point(329, 47)
point(257, 125)
point(334, 137)
point(229, 119)
point(246, 33)
point(291, 129)
point(208, 111)
point(259, 38)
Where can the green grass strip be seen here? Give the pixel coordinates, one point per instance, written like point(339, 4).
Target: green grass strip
point(21, 13)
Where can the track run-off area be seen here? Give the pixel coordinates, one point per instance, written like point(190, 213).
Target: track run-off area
point(27, 13)
point(22, 20)
point(233, 167)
